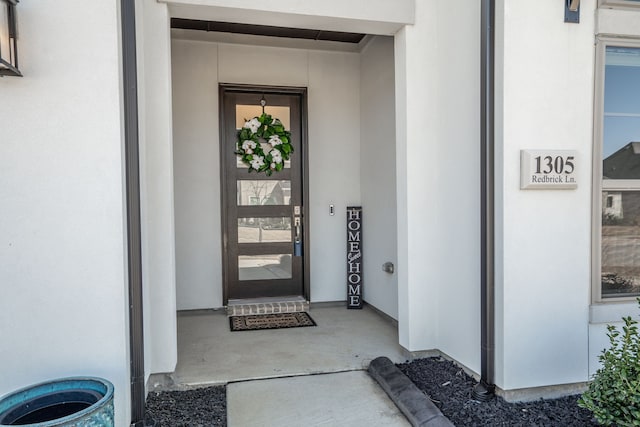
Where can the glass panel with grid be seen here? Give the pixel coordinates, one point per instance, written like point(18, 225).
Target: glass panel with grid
point(620, 154)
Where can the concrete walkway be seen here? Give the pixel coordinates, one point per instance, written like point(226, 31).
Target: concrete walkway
point(339, 399)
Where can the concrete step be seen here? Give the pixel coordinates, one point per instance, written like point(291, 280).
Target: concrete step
point(243, 307)
point(337, 399)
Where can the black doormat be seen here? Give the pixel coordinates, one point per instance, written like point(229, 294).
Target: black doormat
point(270, 321)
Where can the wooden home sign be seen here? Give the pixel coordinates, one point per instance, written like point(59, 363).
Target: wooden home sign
point(354, 257)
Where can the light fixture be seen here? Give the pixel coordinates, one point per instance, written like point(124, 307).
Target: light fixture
point(8, 34)
point(572, 11)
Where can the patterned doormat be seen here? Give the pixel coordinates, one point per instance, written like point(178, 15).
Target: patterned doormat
point(270, 321)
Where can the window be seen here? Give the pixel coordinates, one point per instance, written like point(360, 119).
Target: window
point(618, 148)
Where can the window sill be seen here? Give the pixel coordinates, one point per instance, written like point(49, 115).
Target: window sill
point(619, 4)
point(613, 312)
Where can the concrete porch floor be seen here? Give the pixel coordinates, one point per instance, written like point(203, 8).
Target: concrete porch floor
point(344, 340)
point(308, 376)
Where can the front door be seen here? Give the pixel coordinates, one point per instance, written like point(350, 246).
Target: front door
point(264, 240)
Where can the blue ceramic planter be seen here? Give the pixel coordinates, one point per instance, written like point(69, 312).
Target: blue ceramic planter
point(68, 402)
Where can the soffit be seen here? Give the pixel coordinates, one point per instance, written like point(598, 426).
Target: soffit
point(266, 30)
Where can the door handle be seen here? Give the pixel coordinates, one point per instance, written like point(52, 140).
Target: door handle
point(297, 228)
point(297, 234)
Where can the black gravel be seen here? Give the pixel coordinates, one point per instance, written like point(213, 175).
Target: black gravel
point(449, 387)
point(194, 408)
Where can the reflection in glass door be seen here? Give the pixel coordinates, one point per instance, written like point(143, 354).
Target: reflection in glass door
point(262, 215)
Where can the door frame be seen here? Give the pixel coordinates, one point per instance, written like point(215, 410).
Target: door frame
point(223, 89)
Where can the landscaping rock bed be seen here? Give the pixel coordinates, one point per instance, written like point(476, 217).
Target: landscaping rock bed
point(193, 408)
point(450, 388)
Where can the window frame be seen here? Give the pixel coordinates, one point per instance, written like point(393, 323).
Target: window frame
point(619, 4)
point(598, 183)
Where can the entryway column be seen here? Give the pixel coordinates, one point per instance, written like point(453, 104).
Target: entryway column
point(415, 168)
point(438, 169)
point(156, 176)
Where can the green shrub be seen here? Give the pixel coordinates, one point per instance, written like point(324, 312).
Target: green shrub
point(614, 394)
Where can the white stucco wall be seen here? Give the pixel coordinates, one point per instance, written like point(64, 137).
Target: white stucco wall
point(365, 16)
point(156, 182)
point(63, 310)
point(196, 160)
point(438, 146)
point(378, 173)
point(334, 166)
point(544, 78)
point(332, 79)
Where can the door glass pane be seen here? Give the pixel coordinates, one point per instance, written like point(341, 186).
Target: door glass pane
point(264, 192)
point(257, 230)
point(266, 148)
point(247, 112)
point(264, 267)
point(241, 165)
point(620, 243)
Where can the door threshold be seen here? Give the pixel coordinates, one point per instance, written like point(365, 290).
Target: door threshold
point(267, 305)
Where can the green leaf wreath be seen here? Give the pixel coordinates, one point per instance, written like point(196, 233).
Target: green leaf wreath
point(260, 134)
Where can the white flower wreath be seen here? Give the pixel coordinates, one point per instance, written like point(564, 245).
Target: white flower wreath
point(251, 148)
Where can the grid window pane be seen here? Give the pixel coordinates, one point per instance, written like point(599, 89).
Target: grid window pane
point(621, 126)
point(620, 198)
point(620, 243)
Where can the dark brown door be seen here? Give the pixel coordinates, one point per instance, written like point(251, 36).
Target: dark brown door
point(264, 240)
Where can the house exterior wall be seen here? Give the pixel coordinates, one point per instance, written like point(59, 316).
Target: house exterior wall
point(195, 121)
point(544, 100)
point(334, 166)
point(378, 173)
point(332, 79)
point(63, 231)
point(64, 309)
point(438, 169)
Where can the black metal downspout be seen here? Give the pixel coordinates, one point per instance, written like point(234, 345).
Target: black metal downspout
point(134, 248)
point(484, 390)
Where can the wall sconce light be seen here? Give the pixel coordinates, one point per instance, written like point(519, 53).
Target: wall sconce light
point(572, 11)
point(8, 35)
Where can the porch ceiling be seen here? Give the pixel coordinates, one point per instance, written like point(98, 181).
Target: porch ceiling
point(266, 30)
